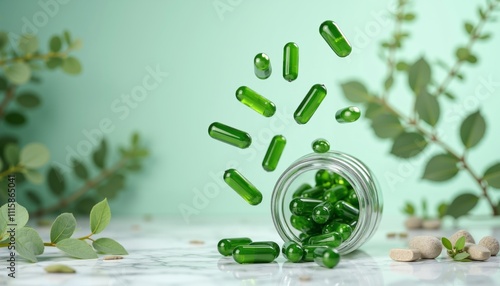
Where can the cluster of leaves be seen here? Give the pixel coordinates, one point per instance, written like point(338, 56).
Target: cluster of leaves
point(410, 209)
point(28, 243)
point(457, 251)
point(411, 134)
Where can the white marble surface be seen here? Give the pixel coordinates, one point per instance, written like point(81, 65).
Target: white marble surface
point(161, 253)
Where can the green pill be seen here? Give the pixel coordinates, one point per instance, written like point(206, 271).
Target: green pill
point(336, 193)
point(273, 153)
point(352, 198)
point(310, 103)
point(348, 114)
point(326, 257)
point(262, 66)
point(324, 178)
point(254, 254)
point(227, 245)
point(229, 135)
point(290, 61)
point(309, 252)
point(346, 211)
point(304, 224)
point(332, 239)
point(320, 146)
point(335, 38)
point(314, 193)
point(243, 187)
point(301, 189)
point(339, 180)
point(273, 244)
point(303, 206)
point(292, 251)
point(343, 229)
point(255, 101)
point(322, 212)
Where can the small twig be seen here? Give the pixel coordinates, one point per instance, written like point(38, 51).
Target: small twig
point(11, 170)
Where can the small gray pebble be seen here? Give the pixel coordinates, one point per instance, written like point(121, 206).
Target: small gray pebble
point(491, 243)
point(431, 224)
point(477, 252)
point(429, 246)
point(405, 255)
point(413, 222)
point(459, 234)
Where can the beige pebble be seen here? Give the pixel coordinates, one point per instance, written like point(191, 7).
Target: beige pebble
point(491, 243)
point(477, 252)
point(431, 224)
point(459, 234)
point(405, 255)
point(429, 246)
point(413, 222)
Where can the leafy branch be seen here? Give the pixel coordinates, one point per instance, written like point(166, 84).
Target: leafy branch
point(457, 251)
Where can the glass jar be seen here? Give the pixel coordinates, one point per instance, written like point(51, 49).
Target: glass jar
point(353, 170)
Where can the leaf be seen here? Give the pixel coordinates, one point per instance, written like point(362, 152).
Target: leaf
point(3, 83)
point(442, 209)
point(34, 155)
point(53, 63)
point(33, 176)
point(85, 205)
point(419, 75)
point(109, 246)
point(460, 243)
point(71, 65)
point(80, 170)
point(468, 27)
point(373, 109)
point(388, 82)
point(472, 129)
point(100, 215)
point(402, 66)
point(409, 17)
point(492, 176)
point(427, 107)
point(461, 256)
point(110, 188)
point(99, 156)
point(135, 139)
point(409, 209)
point(28, 44)
point(76, 248)
point(34, 198)
point(485, 36)
point(76, 45)
point(29, 244)
point(63, 227)
point(59, 268)
point(11, 154)
point(461, 205)
point(462, 53)
point(18, 73)
point(20, 218)
point(441, 167)
point(15, 118)
point(55, 44)
point(4, 39)
point(471, 59)
point(408, 144)
point(56, 182)
point(446, 243)
point(355, 91)
point(387, 125)
point(67, 37)
point(28, 99)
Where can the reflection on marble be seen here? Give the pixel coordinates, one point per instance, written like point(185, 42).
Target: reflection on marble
point(161, 254)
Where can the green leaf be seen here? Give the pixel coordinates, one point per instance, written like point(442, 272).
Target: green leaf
point(419, 75)
point(99, 156)
point(100, 215)
point(442, 209)
point(446, 243)
point(110, 188)
point(20, 218)
point(11, 154)
point(355, 91)
point(29, 244)
point(409, 17)
point(33, 176)
point(427, 107)
point(59, 268)
point(387, 125)
point(4, 39)
point(54, 63)
point(76, 248)
point(76, 45)
point(34, 155)
point(471, 59)
point(485, 36)
point(402, 66)
point(34, 198)
point(63, 227)
point(462, 53)
point(441, 168)
point(492, 176)
point(67, 37)
point(80, 170)
point(461, 256)
point(15, 118)
point(481, 13)
point(109, 246)
point(373, 109)
point(18, 73)
point(55, 44)
point(85, 205)
point(56, 181)
point(3, 83)
point(472, 129)
point(449, 95)
point(469, 28)
point(461, 205)
point(135, 139)
point(388, 82)
point(409, 209)
point(28, 44)
point(71, 65)
point(408, 144)
point(28, 99)
point(460, 243)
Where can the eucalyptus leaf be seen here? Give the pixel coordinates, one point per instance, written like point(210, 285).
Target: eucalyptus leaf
point(409, 209)
point(472, 129)
point(100, 215)
point(373, 109)
point(34, 155)
point(18, 73)
point(442, 209)
point(441, 167)
point(85, 205)
point(55, 44)
point(460, 243)
point(409, 17)
point(29, 244)
point(28, 44)
point(446, 243)
point(402, 66)
point(15, 118)
point(388, 82)
point(469, 28)
point(462, 53)
point(71, 65)
point(53, 63)
point(355, 91)
point(76, 248)
point(63, 227)
point(11, 154)
point(99, 156)
point(80, 170)
point(461, 205)
point(34, 197)
point(408, 144)
point(110, 188)
point(56, 181)
point(3, 83)
point(387, 125)
point(67, 37)
point(33, 176)
point(20, 218)
point(492, 176)
point(427, 107)
point(108, 246)
point(419, 75)
point(28, 99)
point(135, 139)
point(4, 40)
point(471, 59)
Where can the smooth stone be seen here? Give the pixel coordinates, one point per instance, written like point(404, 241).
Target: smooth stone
point(431, 224)
point(468, 237)
point(405, 255)
point(491, 243)
point(477, 252)
point(413, 222)
point(429, 246)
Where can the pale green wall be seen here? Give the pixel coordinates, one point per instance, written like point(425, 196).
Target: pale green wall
point(207, 55)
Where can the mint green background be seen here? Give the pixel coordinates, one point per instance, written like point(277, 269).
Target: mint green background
point(208, 55)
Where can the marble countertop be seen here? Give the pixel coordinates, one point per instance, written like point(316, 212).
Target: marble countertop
point(171, 252)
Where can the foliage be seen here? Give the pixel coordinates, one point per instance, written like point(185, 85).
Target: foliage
point(456, 251)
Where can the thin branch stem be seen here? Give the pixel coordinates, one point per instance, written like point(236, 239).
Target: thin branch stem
point(11, 170)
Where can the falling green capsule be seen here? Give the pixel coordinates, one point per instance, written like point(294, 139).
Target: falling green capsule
point(262, 66)
point(254, 254)
point(273, 244)
point(229, 135)
point(343, 229)
point(336, 193)
point(332, 239)
point(290, 61)
point(309, 252)
point(243, 187)
point(320, 146)
point(346, 211)
point(255, 101)
point(348, 114)
point(335, 38)
point(310, 103)
point(292, 251)
point(322, 212)
point(303, 206)
point(301, 189)
point(273, 153)
point(326, 257)
point(227, 245)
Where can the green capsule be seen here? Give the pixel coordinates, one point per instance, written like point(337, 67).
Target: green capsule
point(243, 187)
point(322, 212)
point(345, 210)
point(326, 257)
point(335, 38)
point(336, 194)
point(348, 114)
point(227, 245)
point(353, 224)
point(255, 101)
point(320, 146)
point(304, 238)
point(303, 206)
point(262, 66)
point(352, 198)
point(314, 193)
point(273, 153)
point(254, 254)
point(310, 103)
point(343, 229)
point(229, 135)
point(290, 61)
point(309, 252)
point(273, 244)
point(324, 178)
point(301, 189)
point(304, 224)
point(339, 180)
point(292, 251)
point(332, 239)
